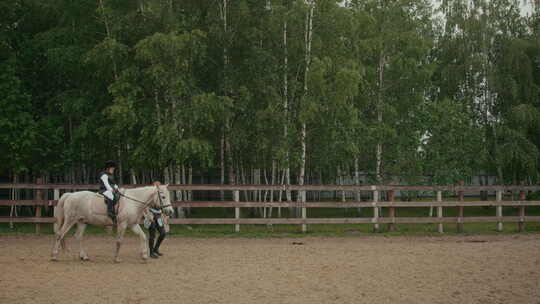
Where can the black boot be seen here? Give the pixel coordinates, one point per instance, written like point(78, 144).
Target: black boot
point(152, 253)
point(110, 210)
point(158, 243)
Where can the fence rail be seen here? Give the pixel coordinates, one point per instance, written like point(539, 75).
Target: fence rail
point(376, 204)
point(358, 220)
point(232, 204)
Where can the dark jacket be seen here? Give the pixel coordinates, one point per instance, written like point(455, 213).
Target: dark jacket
point(110, 179)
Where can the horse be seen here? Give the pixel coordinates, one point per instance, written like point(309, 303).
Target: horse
point(86, 207)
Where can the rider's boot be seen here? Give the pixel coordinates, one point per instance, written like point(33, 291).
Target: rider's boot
point(110, 210)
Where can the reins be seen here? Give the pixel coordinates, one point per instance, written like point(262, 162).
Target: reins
point(135, 200)
point(147, 202)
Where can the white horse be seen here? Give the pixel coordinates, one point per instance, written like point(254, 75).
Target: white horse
point(86, 207)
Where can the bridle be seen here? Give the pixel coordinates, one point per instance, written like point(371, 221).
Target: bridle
point(161, 206)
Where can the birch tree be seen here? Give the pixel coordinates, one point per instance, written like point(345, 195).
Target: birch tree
point(396, 39)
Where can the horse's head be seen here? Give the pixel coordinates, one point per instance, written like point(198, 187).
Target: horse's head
point(163, 199)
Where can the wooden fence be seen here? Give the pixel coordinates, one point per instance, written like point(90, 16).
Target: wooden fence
point(376, 203)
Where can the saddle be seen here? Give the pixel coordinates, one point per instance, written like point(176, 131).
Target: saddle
point(101, 209)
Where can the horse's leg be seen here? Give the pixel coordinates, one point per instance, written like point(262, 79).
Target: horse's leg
point(121, 229)
point(79, 236)
point(60, 237)
point(142, 238)
point(64, 245)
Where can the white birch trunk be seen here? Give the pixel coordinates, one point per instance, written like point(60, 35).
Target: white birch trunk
point(243, 182)
point(222, 164)
point(341, 183)
point(133, 176)
point(286, 109)
point(228, 150)
point(120, 167)
point(287, 182)
point(167, 175)
point(257, 193)
point(190, 182)
point(266, 192)
point(178, 180)
point(358, 196)
point(273, 182)
point(14, 196)
point(380, 101)
point(303, 132)
point(183, 176)
point(109, 35)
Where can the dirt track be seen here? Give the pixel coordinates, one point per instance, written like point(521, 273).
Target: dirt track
point(480, 269)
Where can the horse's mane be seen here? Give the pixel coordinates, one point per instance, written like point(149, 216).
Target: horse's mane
point(146, 188)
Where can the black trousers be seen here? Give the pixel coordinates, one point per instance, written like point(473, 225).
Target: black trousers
point(111, 212)
point(152, 234)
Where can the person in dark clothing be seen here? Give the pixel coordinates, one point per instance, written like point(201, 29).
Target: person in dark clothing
point(108, 188)
point(156, 223)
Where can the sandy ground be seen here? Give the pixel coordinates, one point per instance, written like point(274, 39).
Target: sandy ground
point(479, 269)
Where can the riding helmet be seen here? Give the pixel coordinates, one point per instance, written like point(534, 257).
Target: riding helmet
point(110, 164)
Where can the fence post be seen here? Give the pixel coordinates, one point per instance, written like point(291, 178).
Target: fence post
point(236, 197)
point(39, 196)
point(56, 195)
point(461, 198)
point(499, 211)
point(439, 212)
point(521, 224)
point(304, 209)
point(391, 212)
point(375, 211)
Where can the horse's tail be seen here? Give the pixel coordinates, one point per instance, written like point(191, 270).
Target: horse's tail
point(59, 213)
point(59, 216)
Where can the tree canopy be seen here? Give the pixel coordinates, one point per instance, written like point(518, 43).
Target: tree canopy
point(275, 91)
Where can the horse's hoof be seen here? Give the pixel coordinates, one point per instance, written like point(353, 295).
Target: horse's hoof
point(85, 258)
point(54, 259)
point(117, 260)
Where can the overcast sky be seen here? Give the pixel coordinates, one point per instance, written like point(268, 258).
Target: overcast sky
point(526, 6)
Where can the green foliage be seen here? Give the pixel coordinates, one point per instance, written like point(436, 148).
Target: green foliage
point(395, 38)
point(18, 129)
point(451, 145)
point(449, 91)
